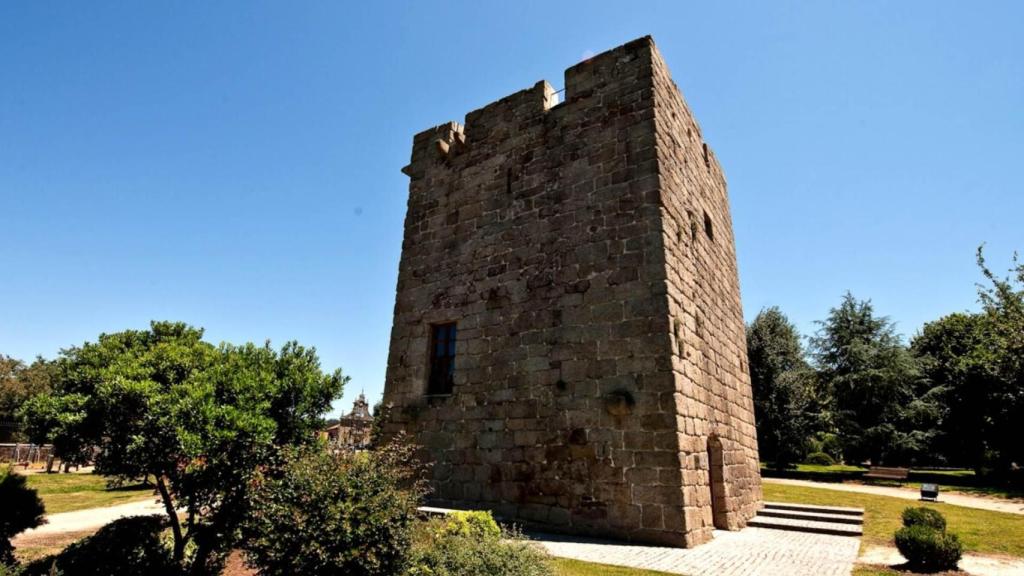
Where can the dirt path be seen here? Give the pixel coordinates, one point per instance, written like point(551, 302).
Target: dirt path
point(979, 502)
point(971, 563)
point(83, 521)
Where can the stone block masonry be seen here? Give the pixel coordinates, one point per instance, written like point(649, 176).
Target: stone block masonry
point(568, 342)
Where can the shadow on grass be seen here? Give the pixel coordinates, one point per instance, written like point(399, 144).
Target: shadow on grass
point(130, 487)
point(898, 570)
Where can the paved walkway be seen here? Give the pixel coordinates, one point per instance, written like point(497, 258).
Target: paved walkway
point(86, 520)
point(752, 551)
point(982, 503)
point(970, 563)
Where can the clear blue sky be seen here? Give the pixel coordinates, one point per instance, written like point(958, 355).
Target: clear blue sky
point(236, 164)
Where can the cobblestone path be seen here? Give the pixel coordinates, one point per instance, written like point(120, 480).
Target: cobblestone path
point(752, 551)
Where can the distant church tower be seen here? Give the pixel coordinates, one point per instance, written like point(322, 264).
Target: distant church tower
point(568, 343)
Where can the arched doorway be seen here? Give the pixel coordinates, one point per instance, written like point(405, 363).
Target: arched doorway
point(716, 480)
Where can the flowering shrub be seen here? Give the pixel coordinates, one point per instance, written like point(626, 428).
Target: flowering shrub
point(472, 544)
point(327, 514)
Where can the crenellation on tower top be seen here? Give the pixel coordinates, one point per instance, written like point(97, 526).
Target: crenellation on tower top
point(594, 82)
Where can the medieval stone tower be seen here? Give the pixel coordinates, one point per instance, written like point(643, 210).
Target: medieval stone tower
point(568, 344)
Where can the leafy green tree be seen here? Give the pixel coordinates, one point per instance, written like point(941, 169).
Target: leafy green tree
point(18, 384)
point(22, 509)
point(200, 419)
point(1002, 302)
point(956, 355)
point(58, 419)
point(977, 362)
point(879, 402)
point(785, 406)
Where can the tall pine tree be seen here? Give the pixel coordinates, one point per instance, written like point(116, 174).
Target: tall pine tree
point(875, 386)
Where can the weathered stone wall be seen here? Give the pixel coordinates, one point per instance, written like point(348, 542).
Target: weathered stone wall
point(548, 233)
point(709, 350)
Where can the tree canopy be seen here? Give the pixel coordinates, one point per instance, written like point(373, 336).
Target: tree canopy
point(18, 383)
point(954, 396)
point(872, 382)
point(199, 419)
point(782, 383)
point(22, 509)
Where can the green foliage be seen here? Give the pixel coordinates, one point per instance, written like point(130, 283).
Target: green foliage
point(381, 414)
point(58, 419)
point(347, 513)
point(444, 548)
point(470, 524)
point(923, 541)
point(201, 420)
point(1003, 305)
point(18, 384)
point(975, 362)
point(878, 401)
point(22, 509)
point(819, 459)
point(125, 547)
point(921, 516)
point(927, 549)
point(956, 353)
point(785, 406)
point(828, 443)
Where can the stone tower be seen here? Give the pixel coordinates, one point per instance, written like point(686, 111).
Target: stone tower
point(568, 343)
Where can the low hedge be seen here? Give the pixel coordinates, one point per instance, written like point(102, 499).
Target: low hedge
point(924, 542)
point(819, 459)
point(922, 516)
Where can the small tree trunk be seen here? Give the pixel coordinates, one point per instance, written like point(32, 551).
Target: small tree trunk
point(212, 538)
point(165, 495)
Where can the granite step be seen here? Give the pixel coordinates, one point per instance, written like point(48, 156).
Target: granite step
point(813, 509)
point(810, 526)
point(817, 516)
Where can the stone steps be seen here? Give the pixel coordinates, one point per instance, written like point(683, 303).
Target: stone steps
point(800, 515)
point(813, 508)
point(813, 519)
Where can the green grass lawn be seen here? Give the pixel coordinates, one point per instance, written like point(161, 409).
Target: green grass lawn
point(564, 567)
point(961, 481)
point(834, 469)
point(981, 531)
point(67, 492)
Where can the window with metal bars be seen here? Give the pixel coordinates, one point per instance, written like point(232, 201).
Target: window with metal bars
point(442, 359)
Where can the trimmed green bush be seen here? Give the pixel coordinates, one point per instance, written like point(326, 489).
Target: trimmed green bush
point(927, 549)
point(474, 524)
point(468, 545)
point(330, 514)
point(125, 547)
point(922, 516)
point(22, 509)
point(820, 459)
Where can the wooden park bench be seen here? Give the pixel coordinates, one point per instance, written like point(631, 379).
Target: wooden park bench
point(883, 473)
